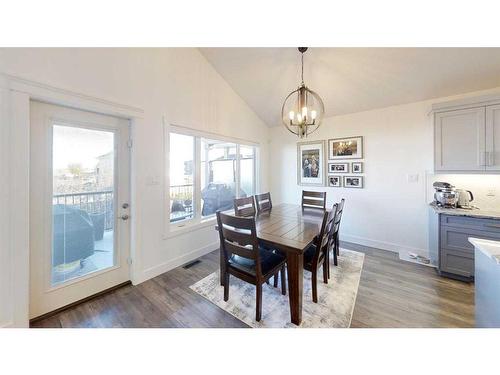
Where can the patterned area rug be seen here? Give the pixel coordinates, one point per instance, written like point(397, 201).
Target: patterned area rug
point(335, 300)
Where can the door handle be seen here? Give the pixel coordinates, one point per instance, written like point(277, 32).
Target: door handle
point(124, 217)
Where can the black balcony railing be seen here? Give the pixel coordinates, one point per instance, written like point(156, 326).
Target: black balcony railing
point(94, 203)
point(181, 202)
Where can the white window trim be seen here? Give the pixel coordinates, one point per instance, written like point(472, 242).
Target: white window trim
point(179, 228)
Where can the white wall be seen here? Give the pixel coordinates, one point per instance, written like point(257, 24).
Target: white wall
point(390, 212)
point(177, 83)
point(5, 256)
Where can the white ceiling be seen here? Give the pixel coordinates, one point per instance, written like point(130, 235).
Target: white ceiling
point(354, 79)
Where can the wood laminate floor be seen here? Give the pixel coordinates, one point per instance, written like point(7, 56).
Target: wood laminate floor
point(392, 293)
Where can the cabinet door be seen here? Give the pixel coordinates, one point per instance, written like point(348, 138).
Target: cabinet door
point(457, 263)
point(460, 140)
point(493, 137)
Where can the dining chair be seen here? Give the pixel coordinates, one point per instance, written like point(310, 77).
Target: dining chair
point(316, 255)
point(244, 207)
point(340, 210)
point(333, 241)
point(314, 199)
point(245, 259)
point(263, 202)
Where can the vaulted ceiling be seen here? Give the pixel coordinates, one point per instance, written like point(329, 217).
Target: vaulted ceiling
point(354, 79)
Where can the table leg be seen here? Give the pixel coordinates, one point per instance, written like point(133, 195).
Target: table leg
point(295, 269)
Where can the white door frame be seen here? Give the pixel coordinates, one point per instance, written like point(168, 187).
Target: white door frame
point(22, 91)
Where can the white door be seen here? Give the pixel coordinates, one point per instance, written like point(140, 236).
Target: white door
point(79, 205)
point(493, 137)
point(460, 140)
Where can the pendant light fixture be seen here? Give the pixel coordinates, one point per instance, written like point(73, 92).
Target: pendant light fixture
point(303, 109)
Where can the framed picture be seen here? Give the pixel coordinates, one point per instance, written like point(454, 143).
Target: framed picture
point(353, 182)
point(345, 148)
point(357, 167)
point(311, 163)
point(335, 181)
point(338, 167)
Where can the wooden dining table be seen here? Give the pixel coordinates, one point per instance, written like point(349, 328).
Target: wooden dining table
point(291, 229)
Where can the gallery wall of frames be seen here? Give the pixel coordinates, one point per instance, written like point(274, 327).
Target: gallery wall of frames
point(335, 163)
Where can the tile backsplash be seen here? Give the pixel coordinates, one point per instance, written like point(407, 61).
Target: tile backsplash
point(485, 188)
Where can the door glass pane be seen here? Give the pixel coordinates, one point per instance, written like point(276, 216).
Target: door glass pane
point(218, 176)
point(247, 160)
point(181, 177)
point(83, 202)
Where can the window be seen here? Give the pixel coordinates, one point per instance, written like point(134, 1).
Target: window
point(83, 186)
point(206, 174)
point(247, 166)
point(218, 176)
point(181, 177)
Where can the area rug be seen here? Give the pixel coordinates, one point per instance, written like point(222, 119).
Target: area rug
point(335, 300)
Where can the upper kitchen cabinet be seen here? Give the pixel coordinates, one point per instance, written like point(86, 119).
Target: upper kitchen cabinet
point(467, 135)
point(493, 137)
point(459, 140)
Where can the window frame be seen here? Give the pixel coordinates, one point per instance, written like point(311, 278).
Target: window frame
point(198, 221)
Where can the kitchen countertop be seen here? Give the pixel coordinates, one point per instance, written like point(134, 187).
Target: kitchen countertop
point(487, 247)
point(474, 212)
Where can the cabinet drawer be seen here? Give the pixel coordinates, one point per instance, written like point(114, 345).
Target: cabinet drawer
point(457, 263)
point(457, 238)
point(490, 225)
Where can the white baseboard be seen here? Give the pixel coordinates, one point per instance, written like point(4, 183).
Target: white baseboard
point(402, 250)
point(6, 325)
point(151, 272)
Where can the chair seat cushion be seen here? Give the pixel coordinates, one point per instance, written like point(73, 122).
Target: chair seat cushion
point(309, 255)
point(268, 260)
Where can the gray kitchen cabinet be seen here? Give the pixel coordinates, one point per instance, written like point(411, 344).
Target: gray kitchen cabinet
point(459, 140)
point(493, 138)
point(449, 245)
point(457, 264)
point(467, 135)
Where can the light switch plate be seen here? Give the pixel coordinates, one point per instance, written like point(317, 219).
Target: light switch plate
point(412, 178)
point(152, 180)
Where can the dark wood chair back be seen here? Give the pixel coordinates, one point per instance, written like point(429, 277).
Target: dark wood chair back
point(338, 215)
point(333, 238)
point(323, 239)
point(238, 236)
point(333, 228)
point(263, 202)
point(314, 199)
point(326, 227)
point(244, 207)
